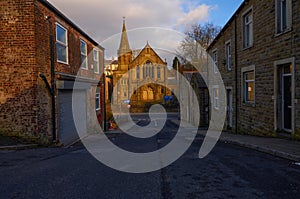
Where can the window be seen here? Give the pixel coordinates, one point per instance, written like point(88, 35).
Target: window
point(248, 29)
point(98, 107)
point(228, 55)
point(96, 60)
point(148, 70)
point(248, 76)
point(158, 72)
point(215, 60)
point(283, 15)
point(138, 72)
point(83, 50)
point(216, 97)
point(152, 71)
point(61, 44)
point(124, 81)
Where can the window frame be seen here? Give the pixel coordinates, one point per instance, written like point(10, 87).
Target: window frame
point(247, 70)
point(97, 96)
point(158, 72)
point(96, 61)
point(228, 56)
point(216, 97)
point(215, 60)
point(83, 54)
point(279, 29)
point(250, 34)
point(58, 42)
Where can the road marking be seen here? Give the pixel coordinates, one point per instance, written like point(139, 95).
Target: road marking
point(297, 163)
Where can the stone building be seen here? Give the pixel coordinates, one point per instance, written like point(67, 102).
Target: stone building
point(41, 55)
point(141, 76)
point(258, 55)
point(110, 67)
point(200, 99)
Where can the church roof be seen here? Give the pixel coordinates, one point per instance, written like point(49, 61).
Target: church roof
point(124, 44)
point(142, 51)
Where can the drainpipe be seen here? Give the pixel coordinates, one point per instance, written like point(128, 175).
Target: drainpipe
point(236, 74)
point(51, 88)
point(104, 101)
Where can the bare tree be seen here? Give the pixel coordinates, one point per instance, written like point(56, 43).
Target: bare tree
point(203, 34)
point(198, 38)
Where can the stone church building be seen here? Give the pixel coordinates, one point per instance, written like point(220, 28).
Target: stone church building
point(141, 76)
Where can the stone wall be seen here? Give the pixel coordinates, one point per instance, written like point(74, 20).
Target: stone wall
point(268, 47)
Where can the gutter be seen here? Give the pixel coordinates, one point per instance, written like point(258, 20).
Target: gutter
point(104, 103)
point(51, 88)
point(236, 74)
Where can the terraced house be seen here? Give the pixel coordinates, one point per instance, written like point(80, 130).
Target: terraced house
point(41, 55)
point(258, 55)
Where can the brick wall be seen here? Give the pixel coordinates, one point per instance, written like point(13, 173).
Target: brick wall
point(25, 102)
point(18, 86)
point(43, 31)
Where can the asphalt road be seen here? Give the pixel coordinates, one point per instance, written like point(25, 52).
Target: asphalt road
point(228, 171)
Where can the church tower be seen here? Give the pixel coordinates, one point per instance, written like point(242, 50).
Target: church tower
point(124, 51)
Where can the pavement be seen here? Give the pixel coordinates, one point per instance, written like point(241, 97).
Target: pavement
point(14, 143)
point(283, 147)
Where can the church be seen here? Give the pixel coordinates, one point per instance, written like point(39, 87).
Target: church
point(141, 77)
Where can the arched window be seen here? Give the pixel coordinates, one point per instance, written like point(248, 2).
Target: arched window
point(138, 72)
point(158, 72)
point(148, 69)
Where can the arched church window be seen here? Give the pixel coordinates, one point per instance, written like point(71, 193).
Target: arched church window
point(158, 72)
point(149, 69)
point(138, 72)
point(152, 71)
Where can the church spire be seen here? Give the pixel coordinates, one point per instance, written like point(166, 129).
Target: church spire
point(124, 44)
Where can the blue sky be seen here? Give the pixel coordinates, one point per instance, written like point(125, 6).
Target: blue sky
point(224, 10)
point(221, 12)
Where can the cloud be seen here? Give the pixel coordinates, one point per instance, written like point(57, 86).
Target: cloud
point(196, 15)
point(102, 19)
point(164, 41)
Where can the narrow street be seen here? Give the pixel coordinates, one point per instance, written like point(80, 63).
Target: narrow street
point(228, 171)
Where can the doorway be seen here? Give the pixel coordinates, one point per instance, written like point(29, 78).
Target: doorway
point(284, 87)
point(229, 109)
point(286, 98)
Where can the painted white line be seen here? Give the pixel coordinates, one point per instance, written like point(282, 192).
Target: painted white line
point(297, 163)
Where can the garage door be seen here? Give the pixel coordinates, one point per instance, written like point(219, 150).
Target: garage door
point(67, 131)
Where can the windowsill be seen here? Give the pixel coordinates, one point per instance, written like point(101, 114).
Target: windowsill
point(98, 109)
point(62, 62)
point(83, 68)
point(246, 48)
point(283, 32)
